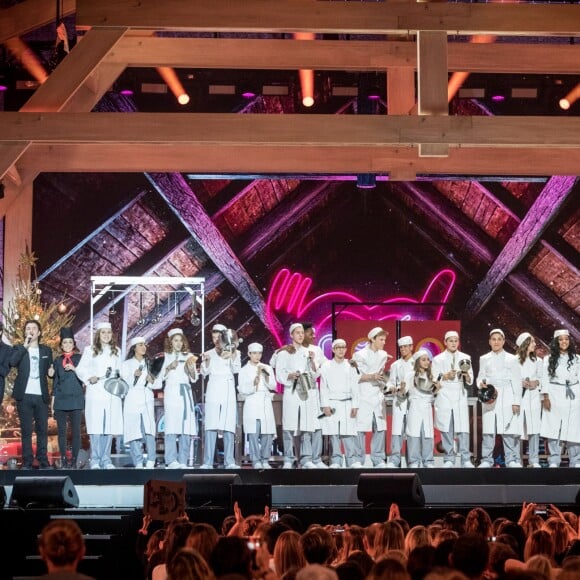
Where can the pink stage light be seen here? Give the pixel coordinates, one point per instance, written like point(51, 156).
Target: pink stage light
point(288, 295)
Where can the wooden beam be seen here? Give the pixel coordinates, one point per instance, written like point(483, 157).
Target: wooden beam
point(432, 72)
point(73, 71)
point(29, 15)
point(331, 17)
point(339, 131)
point(350, 55)
point(528, 232)
point(457, 225)
point(221, 159)
point(400, 90)
point(9, 154)
point(17, 236)
point(76, 84)
point(175, 190)
point(432, 83)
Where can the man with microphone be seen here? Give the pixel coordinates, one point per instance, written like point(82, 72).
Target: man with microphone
point(34, 363)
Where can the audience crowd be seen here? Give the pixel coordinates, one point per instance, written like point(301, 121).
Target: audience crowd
point(455, 547)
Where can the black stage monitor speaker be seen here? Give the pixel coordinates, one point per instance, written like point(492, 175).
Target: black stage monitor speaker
point(381, 489)
point(34, 492)
point(210, 490)
point(252, 498)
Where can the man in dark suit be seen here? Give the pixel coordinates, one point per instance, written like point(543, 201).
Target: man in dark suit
point(5, 352)
point(34, 363)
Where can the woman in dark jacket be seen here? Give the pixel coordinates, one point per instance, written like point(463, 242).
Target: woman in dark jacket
point(69, 396)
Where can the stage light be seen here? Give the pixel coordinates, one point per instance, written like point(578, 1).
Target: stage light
point(306, 75)
point(126, 92)
point(3, 88)
point(27, 57)
point(366, 181)
point(307, 87)
point(170, 77)
point(570, 98)
point(497, 98)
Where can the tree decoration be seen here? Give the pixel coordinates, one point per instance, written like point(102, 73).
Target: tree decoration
point(27, 305)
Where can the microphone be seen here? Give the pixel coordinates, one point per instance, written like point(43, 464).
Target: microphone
point(332, 411)
point(353, 364)
point(137, 378)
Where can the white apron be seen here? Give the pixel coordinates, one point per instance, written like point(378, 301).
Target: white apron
point(372, 400)
point(220, 410)
point(452, 397)
point(139, 403)
point(399, 369)
point(297, 415)
point(502, 371)
point(563, 421)
point(339, 391)
point(178, 403)
point(103, 411)
point(531, 404)
point(258, 401)
point(420, 411)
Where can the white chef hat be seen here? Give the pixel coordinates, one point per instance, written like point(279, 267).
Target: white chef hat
point(255, 347)
point(294, 326)
point(405, 341)
point(136, 340)
point(103, 326)
point(338, 342)
point(451, 334)
point(373, 333)
point(174, 331)
point(497, 331)
point(218, 328)
point(561, 332)
point(522, 338)
point(421, 352)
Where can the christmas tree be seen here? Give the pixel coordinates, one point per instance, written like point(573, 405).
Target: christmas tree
point(27, 304)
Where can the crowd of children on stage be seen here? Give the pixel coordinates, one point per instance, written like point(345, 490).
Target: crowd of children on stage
point(523, 398)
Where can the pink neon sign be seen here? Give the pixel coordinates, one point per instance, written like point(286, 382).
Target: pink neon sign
point(289, 290)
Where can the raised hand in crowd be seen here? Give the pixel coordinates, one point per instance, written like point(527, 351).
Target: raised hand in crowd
point(394, 512)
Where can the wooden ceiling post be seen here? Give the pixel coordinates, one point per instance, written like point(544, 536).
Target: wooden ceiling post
point(401, 100)
point(432, 83)
point(17, 234)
